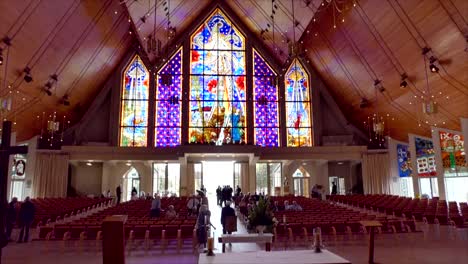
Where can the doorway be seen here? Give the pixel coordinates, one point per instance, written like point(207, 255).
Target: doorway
point(130, 179)
point(217, 173)
point(301, 180)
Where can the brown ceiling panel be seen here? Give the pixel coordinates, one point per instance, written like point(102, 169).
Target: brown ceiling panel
point(80, 41)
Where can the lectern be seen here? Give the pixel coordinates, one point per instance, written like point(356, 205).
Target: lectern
point(113, 239)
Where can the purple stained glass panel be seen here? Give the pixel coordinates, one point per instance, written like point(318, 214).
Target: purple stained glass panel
point(168, 103)
point(265, 103)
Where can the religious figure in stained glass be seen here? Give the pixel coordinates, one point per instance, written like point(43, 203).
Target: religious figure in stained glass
point(134, 105)
point(298, 103)
point(266, 120)
point(217, 85)
point(168, 102)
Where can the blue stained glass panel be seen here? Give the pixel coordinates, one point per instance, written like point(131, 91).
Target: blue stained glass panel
point(217, 33)
point(134, 105)
point(217, 83)
point(298, 114)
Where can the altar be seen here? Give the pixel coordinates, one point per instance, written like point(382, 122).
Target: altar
point(275, 257)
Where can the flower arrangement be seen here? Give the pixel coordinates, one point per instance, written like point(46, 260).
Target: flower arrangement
point(261, 214)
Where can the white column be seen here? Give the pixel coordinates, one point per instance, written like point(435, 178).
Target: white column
point(439, 164)
point(183, 177)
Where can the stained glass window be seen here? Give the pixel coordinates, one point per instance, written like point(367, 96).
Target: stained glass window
point(134, 105)
point(217, 110)
point(298, 103)
point(265, 103)
point(168, 103)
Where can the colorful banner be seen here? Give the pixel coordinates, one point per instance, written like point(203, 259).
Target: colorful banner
point(425, 157)
point(452, 150)
point(404, 161)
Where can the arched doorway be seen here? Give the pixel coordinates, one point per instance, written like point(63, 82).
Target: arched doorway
point(130, 179)
point(301, 180)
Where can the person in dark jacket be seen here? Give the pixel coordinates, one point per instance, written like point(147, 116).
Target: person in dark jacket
point(11, 216)
point(334, 189)
point(225, 212)
point(26, 217)
point(118, 192)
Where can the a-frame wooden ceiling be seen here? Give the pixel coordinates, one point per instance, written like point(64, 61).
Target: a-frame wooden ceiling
point(82, 41)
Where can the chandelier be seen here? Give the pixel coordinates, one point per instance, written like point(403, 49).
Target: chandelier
point(377, 123)
point(52, 129)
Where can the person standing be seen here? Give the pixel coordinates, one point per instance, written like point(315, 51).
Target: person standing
point(155, 206)
point(134, 193)
point(192, 205)
point(228, 218)
point(334, 189)
point(203, 223)
point(26, 217)
point(238, 191)
point(11, 216)
point(118, 193)
point(218, 195)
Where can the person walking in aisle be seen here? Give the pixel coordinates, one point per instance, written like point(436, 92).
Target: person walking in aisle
point(228, 219)
point(26, 217)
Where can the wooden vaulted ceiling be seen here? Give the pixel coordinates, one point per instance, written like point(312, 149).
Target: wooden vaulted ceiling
point(83, 41)
point(79, 41)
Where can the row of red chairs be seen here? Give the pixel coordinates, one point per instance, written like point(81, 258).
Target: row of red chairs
point(138, 221)
point(52, 209)
point(431, 210)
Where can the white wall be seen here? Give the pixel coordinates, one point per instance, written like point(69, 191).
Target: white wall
point(317, 169)
point(113, 172)
point(87, 179)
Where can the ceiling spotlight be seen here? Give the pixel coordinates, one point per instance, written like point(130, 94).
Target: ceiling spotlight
point(364, 103)
point(378, 85)
point(27, 78)
point(48, 85)
point(65, 101)
point(403, 82)
point(89, 164)
point(432, 65)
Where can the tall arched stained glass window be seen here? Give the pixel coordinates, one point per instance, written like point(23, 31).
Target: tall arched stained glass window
point(217, 108)
point(168, 102)
point(298, 103)
point(265, 103)
point(134, 105)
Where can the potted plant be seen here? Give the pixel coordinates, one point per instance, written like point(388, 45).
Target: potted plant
point(261, 217)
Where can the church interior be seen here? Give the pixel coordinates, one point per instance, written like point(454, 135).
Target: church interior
point(233, 131)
